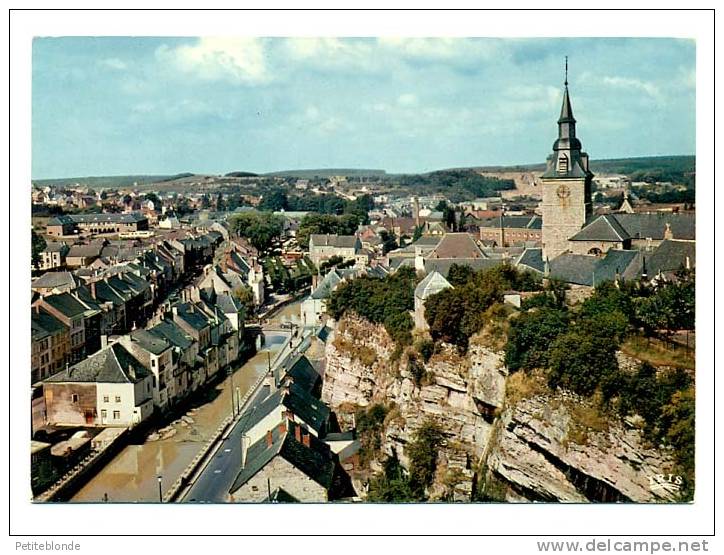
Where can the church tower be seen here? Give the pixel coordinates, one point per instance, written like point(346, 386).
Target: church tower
point(566, 205)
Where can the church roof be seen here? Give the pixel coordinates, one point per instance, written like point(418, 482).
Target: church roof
point(619, 227)
point(533, 259)
point(671, 255)
point(603, 228)
point(457, 245)
point(433, 283)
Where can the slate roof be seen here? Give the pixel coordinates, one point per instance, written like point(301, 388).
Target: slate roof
point(172, 333)
point(617, 227)
point(670, 256)
point(44, 325)
point(84, 251)
point(433, 283)
point(514, 222)
point(338, 241)
point(627, 263)
point(192, 316)
point(294, 397)
point(55, 246)
point(132, 217)
point(50, 280)
point(604, 228)
point(228, 304)
point(457, 245)
point(574, 268)
point(328, 284)
point(61, 220)
point(109, 365)
point(643, 225)
point(316, 461)
point(66, 304)
point(303, 374)
point(150, 342)
point(533, 259)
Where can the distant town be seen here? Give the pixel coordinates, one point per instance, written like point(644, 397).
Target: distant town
point(472, 334)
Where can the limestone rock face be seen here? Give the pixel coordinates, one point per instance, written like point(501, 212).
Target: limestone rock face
point(543, 447)
point(543, 451)
point(457, 392)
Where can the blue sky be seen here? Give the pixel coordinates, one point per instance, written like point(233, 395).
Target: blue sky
point(112, 106)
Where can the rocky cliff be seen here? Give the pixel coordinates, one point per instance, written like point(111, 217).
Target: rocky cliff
point(527, 444)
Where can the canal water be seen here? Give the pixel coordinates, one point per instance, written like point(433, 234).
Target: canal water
point(132, 476)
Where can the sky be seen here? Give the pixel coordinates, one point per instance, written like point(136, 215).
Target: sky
point(161, 105)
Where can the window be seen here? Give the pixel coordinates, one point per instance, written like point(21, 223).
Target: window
point(116, 415)
point(74, 397)
point(563, 164)
point(153, 362)
point(105, 398)
point(104, 414)
point(118, 398)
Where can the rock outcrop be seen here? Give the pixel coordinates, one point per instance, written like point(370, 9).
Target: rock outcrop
point(529, 445)
point(556, 447)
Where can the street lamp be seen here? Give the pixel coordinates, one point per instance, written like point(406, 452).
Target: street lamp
point(231, 391)
point(160, 490)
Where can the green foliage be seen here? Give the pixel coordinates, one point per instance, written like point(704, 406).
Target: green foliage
point(389, 243)
point(392, 485)
point(671, 307)
point(530, 337)
point(423, 451)
point(457, 184)
point(457, 313)
point(677, 425)
point(369, 424)
point(153, 197)
point(274, 200)
point(580, 362)
point(37, 245)
point(418, 232)
point(245, 296)
point(324, 223)
point(384, 301)
point(260, 228)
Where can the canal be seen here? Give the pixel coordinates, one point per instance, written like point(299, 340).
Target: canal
point(132, 475)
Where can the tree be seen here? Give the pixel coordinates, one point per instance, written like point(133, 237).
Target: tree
point(392, 485)
point(245, 296)
point(205, 202)
point(389, 242)
point(274, 201)
point(580, 362)
point(153, 197)
point(38, 244)
point(259, 228)
point(422, 452)
point(418, 232)
point(530, 337)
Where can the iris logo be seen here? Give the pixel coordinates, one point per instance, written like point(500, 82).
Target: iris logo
point(665, 483)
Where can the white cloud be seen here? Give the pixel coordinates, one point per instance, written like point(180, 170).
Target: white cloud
point(238, 59)
point(332, 53)
point(114, 63)
point(626, 82)
point(407, 99)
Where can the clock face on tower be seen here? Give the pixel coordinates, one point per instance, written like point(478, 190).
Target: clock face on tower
point(563, 191)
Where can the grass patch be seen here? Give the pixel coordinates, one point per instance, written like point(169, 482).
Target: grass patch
point(524, 385)
point(365, 355)
point(658, 353)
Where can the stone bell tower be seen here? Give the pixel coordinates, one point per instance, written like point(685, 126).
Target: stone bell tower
point(566, 205)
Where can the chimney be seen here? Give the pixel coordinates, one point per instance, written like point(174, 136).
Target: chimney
point(668, 234)
point(104, 341)
point(416, 204)
point(93, 289)
point(174, 310)
point(298, 434)
point(131, 372)
point(688, 263)
point(269, 438)
point(305, 439)
point(282, 427)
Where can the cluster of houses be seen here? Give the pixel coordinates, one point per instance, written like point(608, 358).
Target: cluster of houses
point(291, 450)
point(156, 327)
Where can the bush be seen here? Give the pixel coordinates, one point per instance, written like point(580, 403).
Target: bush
point(423, 451)
point(530, 337)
